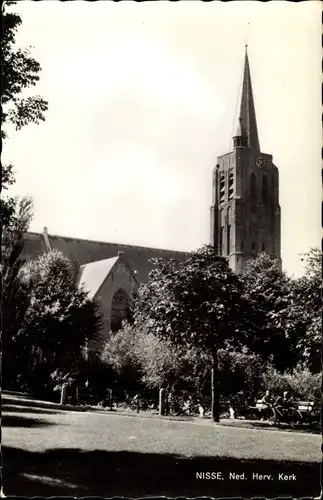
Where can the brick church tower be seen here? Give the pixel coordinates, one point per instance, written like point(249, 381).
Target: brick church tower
point(245, 211)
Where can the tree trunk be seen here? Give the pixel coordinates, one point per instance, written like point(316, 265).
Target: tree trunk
point(215, 409)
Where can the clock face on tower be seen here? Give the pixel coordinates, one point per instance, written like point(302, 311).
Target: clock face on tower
point(260, 161)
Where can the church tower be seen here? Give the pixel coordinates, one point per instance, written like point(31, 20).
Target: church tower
point(245, 211)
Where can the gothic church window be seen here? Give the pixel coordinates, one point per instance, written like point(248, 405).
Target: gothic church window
point(253, 186)
point(229, 214)
point(264, 188)
point(221, 240)
point(216, 186)
point(228, 239)
point(119, 309)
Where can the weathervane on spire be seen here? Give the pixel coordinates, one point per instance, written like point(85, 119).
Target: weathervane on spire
point(247, 33)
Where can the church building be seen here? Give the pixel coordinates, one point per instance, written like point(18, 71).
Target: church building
point(244, 221)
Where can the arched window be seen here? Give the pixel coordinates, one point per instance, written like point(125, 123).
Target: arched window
point(215, 187)
point(264, 188)
point(229, 215)
point(253, 186)
point(228, 239)
point(229, 211)
point(221, 240)
point(119, 309)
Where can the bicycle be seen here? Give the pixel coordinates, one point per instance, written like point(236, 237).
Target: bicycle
point(284, 415)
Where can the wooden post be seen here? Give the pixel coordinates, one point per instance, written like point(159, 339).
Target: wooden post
point(63, 394)
point(162, 402)
point(215, 409)
point(111, 404)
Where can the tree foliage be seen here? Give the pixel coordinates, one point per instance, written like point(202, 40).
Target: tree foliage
point(287, 311)
point(174, 367)
point(138, 355)
point(241, 376)
point(267, 289)
point(59, 321)
point(8, 205)
point(119, 355)
point(197, 303)
point(305, 317)
point(190, 312)
point(61, 317)
point(15, 297)
point(300, 382)
point(20, 72)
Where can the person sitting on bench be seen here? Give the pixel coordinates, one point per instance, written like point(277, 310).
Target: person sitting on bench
point(268, 400)
point(284, 402)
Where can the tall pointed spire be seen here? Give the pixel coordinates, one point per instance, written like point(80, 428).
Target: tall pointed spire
point(247, 117)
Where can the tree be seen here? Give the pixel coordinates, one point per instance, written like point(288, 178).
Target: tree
point(241, 375)
point(304, 318)
point(19, 72)
point(267, 289)
point(178, 368)
point(119, 355)
point(287, 311)
point(138, 356)
point(15, 297)
point(8, 205)
point(174, 367)
point(196, 303)
point(60, 319)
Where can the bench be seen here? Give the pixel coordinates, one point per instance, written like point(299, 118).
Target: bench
point(260, 410)
point(249, 412)
point(252, 411)
point(304, 406)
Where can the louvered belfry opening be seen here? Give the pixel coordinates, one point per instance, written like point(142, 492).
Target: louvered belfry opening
point(231, 185)
point(222, 187)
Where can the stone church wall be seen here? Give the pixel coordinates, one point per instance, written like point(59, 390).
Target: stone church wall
point(119, 278)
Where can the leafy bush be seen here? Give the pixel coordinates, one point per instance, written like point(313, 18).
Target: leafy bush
point(301, 383)
point(186, 372)
point(119, 357)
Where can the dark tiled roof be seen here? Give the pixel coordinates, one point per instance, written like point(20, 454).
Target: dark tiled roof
point(82, 251)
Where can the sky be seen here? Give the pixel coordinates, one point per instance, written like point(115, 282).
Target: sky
point(142, 99)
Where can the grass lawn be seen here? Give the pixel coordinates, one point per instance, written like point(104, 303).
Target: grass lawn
point(48, 452)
